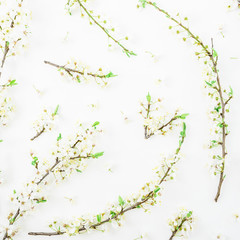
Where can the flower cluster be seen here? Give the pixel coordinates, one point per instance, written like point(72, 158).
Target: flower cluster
point(6, 109)
point(155, 122)
point(77, 71)
point(45, 122)
point(148, 196)
point(181, 224)
point(101, 23)
point(69, 156)
point(14, 28)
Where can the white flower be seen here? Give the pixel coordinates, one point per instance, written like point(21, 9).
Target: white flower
point(6, 109)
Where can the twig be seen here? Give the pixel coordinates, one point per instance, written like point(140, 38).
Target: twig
point(176, 230)
point(125, 50)
point(38, 134)
point(6, 50)
point(146, 128)
point(162, 127)
point(70, 70)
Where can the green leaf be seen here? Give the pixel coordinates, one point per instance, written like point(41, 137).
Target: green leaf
point(97, 155)
point(35, 161)
point(56, 110)
point(183, 116)
point(110, 75)
point(214, 53)
point(183, 132)
point(157, 189)
point(143, 2)
point(41, 200)
point(1, 140)
point(12, 83)
point(210, 83)
point(78, 78)
point(121, 201)
point(128, 53)
point(189, 214)
point(113, 214)
point(148, 98)
point(231, 92)
point(217, 108)
point(78, 170)
point(132, 53)
point(59, 137)
point(95, 124)
point(99, 218)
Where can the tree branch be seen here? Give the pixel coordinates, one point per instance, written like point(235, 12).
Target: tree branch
point(70, 70)
point(219, 88)
point(38, 134)
point(125, 50)
point(39, 182)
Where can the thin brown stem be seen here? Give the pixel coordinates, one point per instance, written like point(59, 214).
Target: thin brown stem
point(146, 127)
point(38, 134)
point(228, 100)
point(177, 229)
point(214, 61)
point(79, 157)
point(162, 127)
point(70, 70)
point(6, 50)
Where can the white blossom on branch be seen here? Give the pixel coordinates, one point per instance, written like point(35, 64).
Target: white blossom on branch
point(221, 97)
point(45, 122)
point(69, 155)
point(77, 71)
point(155, 122)
point(148, 195)
point(98, 21)
point(181, 224)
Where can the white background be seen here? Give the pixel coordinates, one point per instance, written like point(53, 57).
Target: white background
point(130, 156)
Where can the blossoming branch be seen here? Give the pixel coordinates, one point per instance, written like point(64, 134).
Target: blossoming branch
point(13, 30)
point(148, 196)
point(155, 123)
point(100, 23)
point(70, 155)
point(220, 96)
point(181, 224)
point(45, 122)
point(78, 72)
